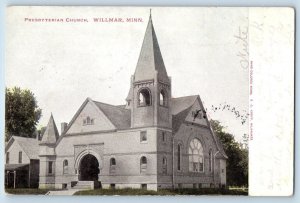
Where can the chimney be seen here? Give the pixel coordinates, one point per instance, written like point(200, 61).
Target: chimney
point(63, 127)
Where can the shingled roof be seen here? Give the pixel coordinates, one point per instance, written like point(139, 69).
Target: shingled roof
point(150, 60)
point(29, 145)
point(50, 135)
point(118, 115)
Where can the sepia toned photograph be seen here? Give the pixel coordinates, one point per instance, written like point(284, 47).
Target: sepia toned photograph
point(127, 101)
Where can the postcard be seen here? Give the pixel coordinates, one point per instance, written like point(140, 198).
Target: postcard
point(149, 100)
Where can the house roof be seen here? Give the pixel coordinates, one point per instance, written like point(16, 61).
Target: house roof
point(50, 135)
point(29, 145)
point(118, 115)
point(150, 59)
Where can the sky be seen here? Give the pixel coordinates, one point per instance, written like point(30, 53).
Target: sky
point(63, 63)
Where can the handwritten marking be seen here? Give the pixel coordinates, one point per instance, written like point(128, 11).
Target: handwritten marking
point(243, 54)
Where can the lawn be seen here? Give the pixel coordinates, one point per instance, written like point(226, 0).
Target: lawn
point(128, 191)
point(26, 191)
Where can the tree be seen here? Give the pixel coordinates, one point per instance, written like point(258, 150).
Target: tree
point(237, 162)
point(21, 113)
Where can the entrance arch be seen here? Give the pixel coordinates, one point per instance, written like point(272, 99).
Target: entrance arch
point(89, 168)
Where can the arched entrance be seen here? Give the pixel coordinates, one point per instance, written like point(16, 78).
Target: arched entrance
point(89, 168)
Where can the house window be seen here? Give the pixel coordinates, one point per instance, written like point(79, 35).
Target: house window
point(178, 157)
point(143, 136)
point(65, 167)
point(112, 165)
point(144, 98)
point(210, 160)
point(162, 98)
point(50, 167)
point(196, 156)
point(164, 165)
point(7, 157)
point(143, 164)
point(20, 157)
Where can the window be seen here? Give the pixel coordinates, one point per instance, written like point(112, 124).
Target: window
point(50, 166)
point(143, 136)
point(210, 160)
point(200, 185)
point(144, 186)
point(112, 165)
point(179, 157)
point(179, 185)
point(65, 167)
point(112, 186)
point(7, 157)
point(163, 136)
point(164, 165)
point(162, 98)
point(194, 185)
point(196, 156)
point(143, 164)
point(20, 157)
point(88, 121)
point(144, 98)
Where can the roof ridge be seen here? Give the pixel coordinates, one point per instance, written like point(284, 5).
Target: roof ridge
point(110, 104)
point(196, 95)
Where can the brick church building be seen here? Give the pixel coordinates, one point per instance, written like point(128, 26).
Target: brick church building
point(154, 141)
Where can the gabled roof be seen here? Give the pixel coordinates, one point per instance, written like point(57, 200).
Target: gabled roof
point(150, 60)
point(29, 145)
point(118, 115)
point(50, 135)
point(181, 103)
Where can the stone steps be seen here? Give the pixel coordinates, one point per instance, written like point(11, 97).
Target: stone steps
point(86, 185)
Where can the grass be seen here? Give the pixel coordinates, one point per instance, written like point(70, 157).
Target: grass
point(26, 191)
point(136, 192)
point(129, 191)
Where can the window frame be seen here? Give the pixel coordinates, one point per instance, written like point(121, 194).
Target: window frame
point(20, 158)
point(163, 98)
point(65, 166)
point(143, 136)
point(196, 167)
point(50, 168)
point(143, 164)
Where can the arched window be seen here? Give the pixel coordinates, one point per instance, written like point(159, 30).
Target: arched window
point(143, 164)
point(112, 161)
point(162, 98)
point(179, 157)
point(196, 159)
point(164, 165)
point(65, 167)
point(88, 120)
point(210, 154)
point(144, 98)
point(112, 168)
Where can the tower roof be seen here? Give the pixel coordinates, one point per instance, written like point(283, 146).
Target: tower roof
point(50, 135)
point(150, 60)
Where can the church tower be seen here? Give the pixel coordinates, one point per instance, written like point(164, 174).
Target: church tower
point(150, 91)
point(47, 155)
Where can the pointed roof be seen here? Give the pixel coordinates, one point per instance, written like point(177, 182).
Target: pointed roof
point(50, 135)
point(150, 60)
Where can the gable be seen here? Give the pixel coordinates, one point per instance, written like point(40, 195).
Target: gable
point(197, 114)
point(97, 120)
point(14, 150)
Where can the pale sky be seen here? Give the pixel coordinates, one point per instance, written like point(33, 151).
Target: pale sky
point(64, 63)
